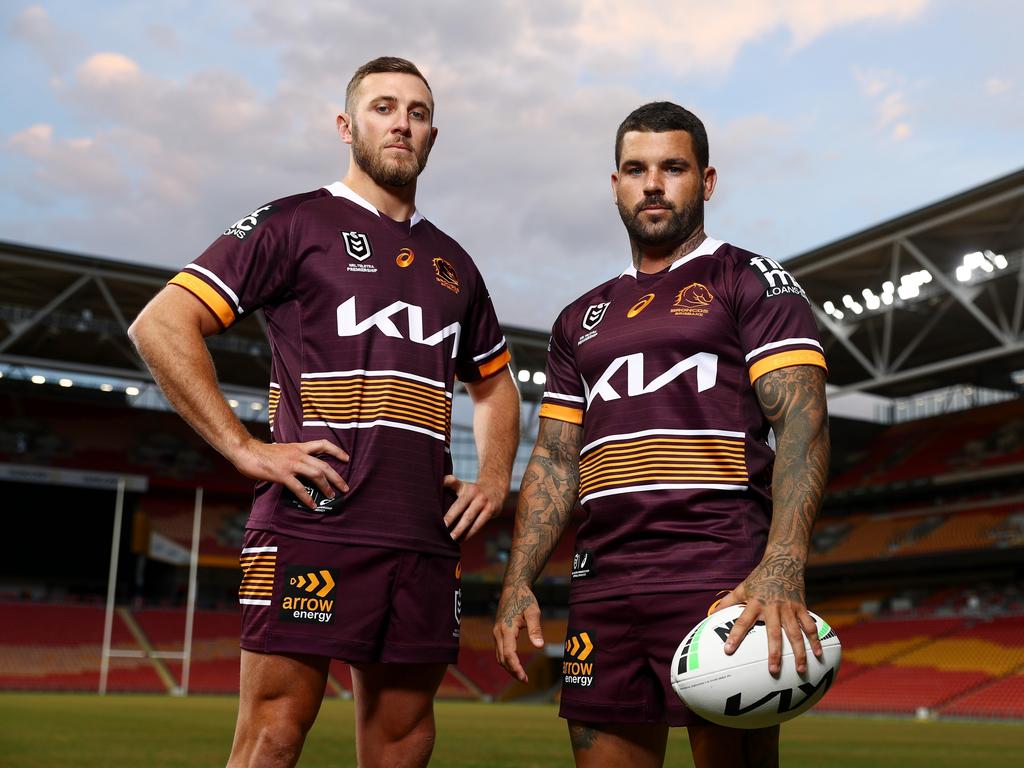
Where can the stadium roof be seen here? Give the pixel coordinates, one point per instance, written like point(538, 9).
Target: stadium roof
point(67, 312)
point(924, 301)
point(929, 299)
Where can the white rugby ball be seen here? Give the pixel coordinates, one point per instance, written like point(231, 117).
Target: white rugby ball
point(737, 691)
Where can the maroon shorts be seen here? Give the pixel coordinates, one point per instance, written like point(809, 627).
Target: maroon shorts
point(615, 668)
point(355, 603)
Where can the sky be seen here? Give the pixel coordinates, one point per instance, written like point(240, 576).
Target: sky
point(139, 130)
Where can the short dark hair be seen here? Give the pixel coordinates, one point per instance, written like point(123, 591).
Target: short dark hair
point(378, 65)
point(662, 116)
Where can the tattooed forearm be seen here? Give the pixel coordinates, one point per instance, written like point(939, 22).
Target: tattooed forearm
point(546, 498)
point(793, 401)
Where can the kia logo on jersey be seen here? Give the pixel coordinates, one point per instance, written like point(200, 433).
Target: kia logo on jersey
point(357, 245)
point(594, 315)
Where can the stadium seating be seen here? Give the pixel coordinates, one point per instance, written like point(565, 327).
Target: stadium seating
point(947, 446)
point(951, 665)
point(215, 654)
point(58, 647)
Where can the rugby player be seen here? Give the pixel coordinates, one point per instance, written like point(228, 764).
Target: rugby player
point(352, 545)
point(663, 385)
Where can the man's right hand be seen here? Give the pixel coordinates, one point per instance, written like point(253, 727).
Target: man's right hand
point(517, 609)
point(290, 464)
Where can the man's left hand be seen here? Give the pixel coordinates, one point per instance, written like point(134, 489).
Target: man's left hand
point(774, 593)
point(476, 503)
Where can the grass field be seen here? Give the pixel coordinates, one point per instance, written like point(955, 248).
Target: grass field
point(85, 731)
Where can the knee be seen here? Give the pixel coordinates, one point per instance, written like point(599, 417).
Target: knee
point(279, 743)
point(408, 745)
point(271, 743)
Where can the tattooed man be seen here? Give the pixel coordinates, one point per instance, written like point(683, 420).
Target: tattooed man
point(664, 385)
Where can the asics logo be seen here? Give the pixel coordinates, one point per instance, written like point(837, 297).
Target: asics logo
point(705, 364)
point(382, 321)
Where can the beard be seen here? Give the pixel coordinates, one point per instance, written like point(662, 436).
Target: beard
point(396, 172)
point(676, 226)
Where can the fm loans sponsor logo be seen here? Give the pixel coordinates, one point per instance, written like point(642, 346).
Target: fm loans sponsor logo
point(578, 660)
point(308, 595)
point(777, 281)
point(247, 224)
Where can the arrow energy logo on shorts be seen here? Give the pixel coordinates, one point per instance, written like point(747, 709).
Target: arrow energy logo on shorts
point(307, 595)
point(578, 660)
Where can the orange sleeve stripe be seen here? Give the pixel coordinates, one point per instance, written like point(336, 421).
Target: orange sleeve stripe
point(562, 413)
point(202, 291)
point(495, 365)
point(784, 360)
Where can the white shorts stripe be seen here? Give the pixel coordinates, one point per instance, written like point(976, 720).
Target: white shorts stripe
point(490, 352)
point(253, 550)
point(570, 398)
point(783, 343)
point(223, 286)
point(672, 432)
point(251, 601)
point(662, 487)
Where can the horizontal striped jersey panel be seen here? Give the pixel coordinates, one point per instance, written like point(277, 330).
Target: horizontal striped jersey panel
point(671, 459)
point(258, 566)
point(273, 398)
point(362, 399)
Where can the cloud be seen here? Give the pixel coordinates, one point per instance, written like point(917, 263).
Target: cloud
point(885, 90)
point(693, 36)
point(995, 86)
point(529, 95)
point(55, 46)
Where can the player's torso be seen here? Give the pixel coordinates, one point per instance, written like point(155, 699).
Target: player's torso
point(674, 459)
point(364, 356)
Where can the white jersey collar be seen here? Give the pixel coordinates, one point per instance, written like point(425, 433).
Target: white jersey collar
point(339, 189)
point(706, 248)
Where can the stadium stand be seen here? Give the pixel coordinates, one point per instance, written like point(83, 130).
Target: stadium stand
point(956, 666)
point(54, 647)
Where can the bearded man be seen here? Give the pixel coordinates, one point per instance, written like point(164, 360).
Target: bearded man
point(352, 546)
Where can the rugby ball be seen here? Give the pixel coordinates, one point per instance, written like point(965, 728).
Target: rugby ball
point(737, 691)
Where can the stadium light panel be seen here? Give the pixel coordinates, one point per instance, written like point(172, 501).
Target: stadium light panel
point(106, 387)
point(131, 391)
point(66, 383)
point(233, 403)
point(37, 379)
point(524, 375)
point(256, 406)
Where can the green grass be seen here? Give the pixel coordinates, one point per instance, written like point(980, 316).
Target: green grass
point(86, 731)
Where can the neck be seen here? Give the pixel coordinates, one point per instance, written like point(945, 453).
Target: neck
point(654, 258)
point(396, 203)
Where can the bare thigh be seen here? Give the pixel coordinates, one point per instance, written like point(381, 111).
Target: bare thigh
point(395, 713)
point(618, 745)
point(279, 698)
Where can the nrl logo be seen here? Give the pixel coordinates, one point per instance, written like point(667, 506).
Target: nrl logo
point(594, 315)
point(357, 245)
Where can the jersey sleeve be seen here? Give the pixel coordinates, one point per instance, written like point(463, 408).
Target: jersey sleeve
point(245, 267)
point(483, 350)
point(564, 398)
point(776, 325)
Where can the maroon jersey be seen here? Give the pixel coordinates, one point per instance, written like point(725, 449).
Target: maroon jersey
point(675, 467)
point(370, 320)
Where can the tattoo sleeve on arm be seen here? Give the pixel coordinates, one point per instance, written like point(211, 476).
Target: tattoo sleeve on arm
point(793, 401)
point(546, 497)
